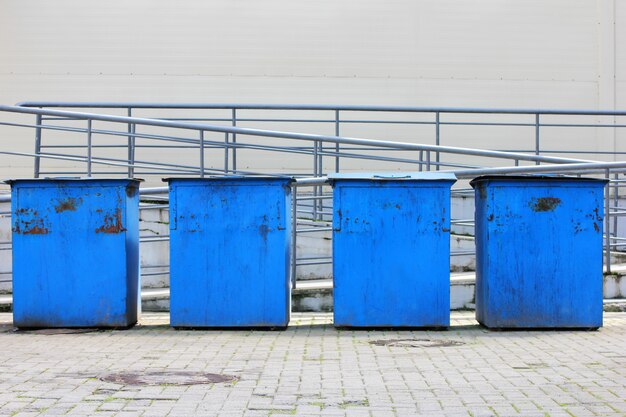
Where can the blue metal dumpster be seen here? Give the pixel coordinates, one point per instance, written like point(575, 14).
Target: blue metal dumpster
point(75, 252)
point(229, 251)
point(538, 251)
point(391, 249)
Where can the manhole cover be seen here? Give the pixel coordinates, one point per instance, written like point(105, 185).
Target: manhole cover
point(167, 378)
point(416, 343)
point(57, 331)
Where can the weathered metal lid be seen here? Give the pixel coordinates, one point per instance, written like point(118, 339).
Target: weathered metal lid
point(393, 176)
point(213, 178)
point(534, 178)
point(70, 179)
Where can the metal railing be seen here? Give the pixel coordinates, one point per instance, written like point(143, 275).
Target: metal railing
point(311, 209)
point(339, 117)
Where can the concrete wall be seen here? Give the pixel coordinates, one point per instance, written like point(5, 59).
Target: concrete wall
point(484, 53)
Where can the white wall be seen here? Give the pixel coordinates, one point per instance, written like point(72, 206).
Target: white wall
point(487, 52)
point(484, 53)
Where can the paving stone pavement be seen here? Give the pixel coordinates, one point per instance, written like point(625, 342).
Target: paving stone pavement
point(312, 369)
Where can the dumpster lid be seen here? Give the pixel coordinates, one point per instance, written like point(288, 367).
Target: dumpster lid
point(538, 178)
point(230, 177)
point(69, 179)
point(393, 176)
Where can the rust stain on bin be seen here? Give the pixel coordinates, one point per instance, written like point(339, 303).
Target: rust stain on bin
point(545, 203)
point(112, 223)
point(36, 230)
point(33, 226)
point(482, 192)
point(131, 190)
point(69, 204)
point(263, 231)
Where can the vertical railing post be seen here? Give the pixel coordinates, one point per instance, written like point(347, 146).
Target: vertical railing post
point(537, 144)
point(88, 147)
point(202, 154)
point(320, 172)
point(234, 123)
point(437, 139)
point(37, 166)
point(131, 145)
point(337, 121)
point(226, 152)
point(427, 160)
point(607, 224)
point(315, 174)
point(615, 205)
point(294, 234)
point(421, 160)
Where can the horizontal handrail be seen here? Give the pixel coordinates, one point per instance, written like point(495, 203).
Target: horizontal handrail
point(546, 169)
point(292, 135)
point(461, 174)
point(252, 106)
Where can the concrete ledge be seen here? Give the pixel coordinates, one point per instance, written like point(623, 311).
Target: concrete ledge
point(462, 287)
point(614, 285)
point(6, 302)
point(615, 305)
point(313, 295)
point(155, 299)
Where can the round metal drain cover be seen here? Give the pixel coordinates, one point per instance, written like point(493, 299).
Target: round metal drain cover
point(167, 378)
point(58, 331)
point(417, 343)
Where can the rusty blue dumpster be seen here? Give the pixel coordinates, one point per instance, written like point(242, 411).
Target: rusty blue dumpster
point(75, 252)
point(391, 249)
point(538, 251)
point(229, 252)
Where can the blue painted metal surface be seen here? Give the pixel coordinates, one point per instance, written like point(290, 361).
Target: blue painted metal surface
point(539, 252)
point(229, 252)
point(75, 252)
point(391, 250)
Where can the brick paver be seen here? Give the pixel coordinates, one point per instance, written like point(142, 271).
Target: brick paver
point(311, 369)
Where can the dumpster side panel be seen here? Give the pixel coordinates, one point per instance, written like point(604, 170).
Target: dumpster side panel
point(229, 255)
point(483, 205)
point(133, 270)
point(69, 255)
point(391, 247)
point(539, 254)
